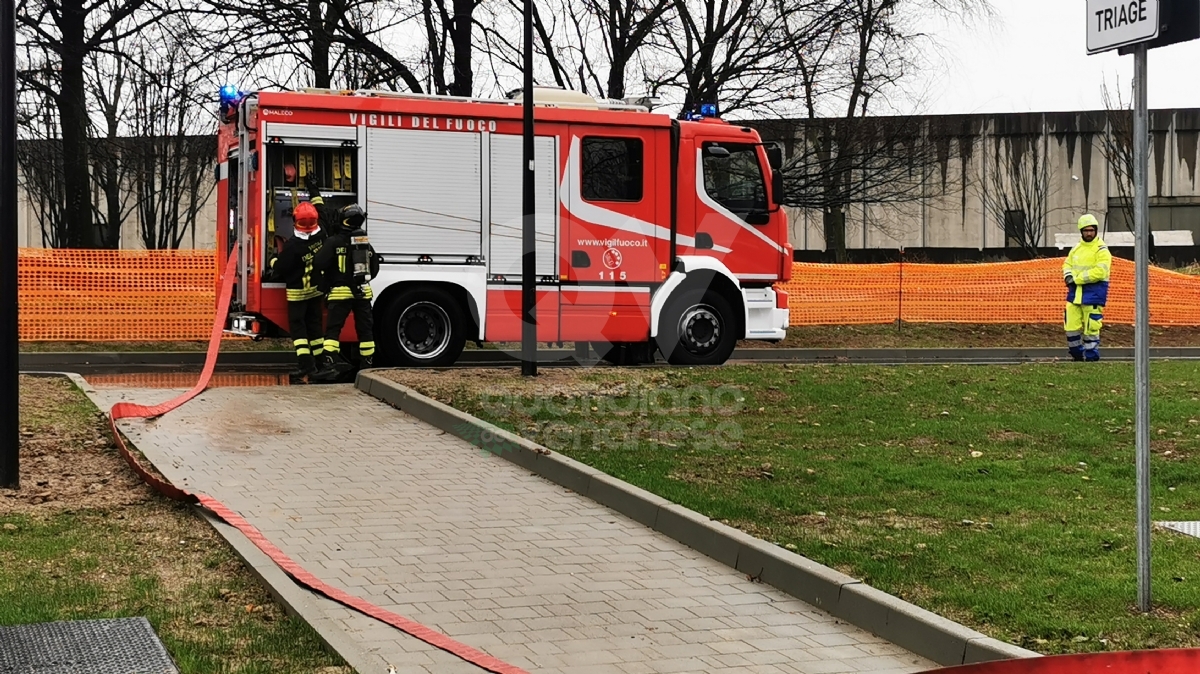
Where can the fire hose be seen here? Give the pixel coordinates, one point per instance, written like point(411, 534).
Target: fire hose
point(125, 410)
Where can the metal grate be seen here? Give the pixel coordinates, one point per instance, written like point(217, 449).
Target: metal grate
point(1189, 528)
point(111, 646)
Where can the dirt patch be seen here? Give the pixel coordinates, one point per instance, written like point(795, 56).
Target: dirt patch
point(65, 464)
point(1169, 450)
point(1008, 436)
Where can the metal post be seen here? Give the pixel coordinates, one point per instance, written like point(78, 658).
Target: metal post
point(529, 232)
point(10, 439)
point(1141, 333)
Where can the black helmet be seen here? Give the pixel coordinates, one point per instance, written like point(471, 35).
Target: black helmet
point(352, 216)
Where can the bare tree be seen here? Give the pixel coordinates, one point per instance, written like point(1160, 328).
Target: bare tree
point(736, 52)
point(106, 78)
point(1117, 147)
point(173, 139)
point(588, 46)
point(1018, 190)
point(59, 36)
point(328, 39)
point(872, 47)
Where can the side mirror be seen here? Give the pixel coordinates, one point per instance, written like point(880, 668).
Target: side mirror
point(716, 151)
point(774, 156)
point(777, 192)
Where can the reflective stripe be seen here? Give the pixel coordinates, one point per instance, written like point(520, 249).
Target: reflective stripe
point(303, 351)
point(332, 346)
point(299, 342)
point(344, 293)
point(366, 348)
point(302, 294)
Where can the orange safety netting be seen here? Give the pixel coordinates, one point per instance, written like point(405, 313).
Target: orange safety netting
point(163, 295)
point(1003, 292)
point(115, 295)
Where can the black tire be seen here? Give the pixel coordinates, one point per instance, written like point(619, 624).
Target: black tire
point(423, 327)
point(697, 329)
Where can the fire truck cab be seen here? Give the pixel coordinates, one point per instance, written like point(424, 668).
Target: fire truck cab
point(653, 233)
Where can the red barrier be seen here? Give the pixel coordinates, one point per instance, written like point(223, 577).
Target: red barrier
point(1167, 661)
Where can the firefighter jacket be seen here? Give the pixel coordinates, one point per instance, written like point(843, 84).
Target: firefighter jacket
point(295, 266)
point(1088, 264)
point(335, 261)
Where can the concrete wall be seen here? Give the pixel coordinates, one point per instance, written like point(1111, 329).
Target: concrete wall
point(1071, 147)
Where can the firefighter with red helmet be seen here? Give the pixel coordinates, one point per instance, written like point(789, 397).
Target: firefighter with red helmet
point(294, 265)
point(348, 263)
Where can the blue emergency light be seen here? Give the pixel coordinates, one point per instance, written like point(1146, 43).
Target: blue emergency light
point(229, 94)
point(699, 111)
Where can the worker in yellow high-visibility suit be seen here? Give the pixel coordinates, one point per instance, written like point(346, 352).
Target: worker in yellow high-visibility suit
point(1086, 271)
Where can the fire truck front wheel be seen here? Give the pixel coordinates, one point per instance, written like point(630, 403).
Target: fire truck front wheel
point(697, 329)
point(424, 327)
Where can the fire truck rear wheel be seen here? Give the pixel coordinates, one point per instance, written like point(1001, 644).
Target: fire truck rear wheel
point(697, 329)
point(423, 327)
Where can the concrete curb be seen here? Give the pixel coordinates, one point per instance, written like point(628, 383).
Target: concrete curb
point(298, 601)
point(904, 624)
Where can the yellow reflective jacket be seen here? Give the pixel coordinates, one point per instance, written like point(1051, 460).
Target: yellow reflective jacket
point(1089, 264)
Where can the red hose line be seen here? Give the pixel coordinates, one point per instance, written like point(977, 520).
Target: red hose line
point(125, 410)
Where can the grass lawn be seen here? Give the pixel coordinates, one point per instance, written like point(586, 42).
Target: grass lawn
point(83, 538)
point(1002, 497)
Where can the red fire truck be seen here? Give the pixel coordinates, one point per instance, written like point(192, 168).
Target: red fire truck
point(653, 233)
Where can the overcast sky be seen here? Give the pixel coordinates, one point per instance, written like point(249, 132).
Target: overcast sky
point(1036, 60)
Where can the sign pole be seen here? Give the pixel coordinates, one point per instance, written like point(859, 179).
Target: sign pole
point(528, 230)
point(10, 419)
point(1141, 333)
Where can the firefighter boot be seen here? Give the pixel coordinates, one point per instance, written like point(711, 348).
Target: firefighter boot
point(333, 366)
point(325, 368)
point(307, 368)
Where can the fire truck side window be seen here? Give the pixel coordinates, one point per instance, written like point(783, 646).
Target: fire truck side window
point(734, 179)
point(612, 169)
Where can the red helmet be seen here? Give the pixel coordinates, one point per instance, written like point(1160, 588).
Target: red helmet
point(305, 216)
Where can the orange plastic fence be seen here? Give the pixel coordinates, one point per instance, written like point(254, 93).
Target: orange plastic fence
point(106, 295)
point(1005, 292)
point(115, 295)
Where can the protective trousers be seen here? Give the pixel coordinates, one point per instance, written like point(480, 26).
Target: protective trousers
point(1082, 323)
point(339, 311)
point(304, 325)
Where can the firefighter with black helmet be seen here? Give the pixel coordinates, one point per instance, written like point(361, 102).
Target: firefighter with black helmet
point(349, 262)
point(294, 265)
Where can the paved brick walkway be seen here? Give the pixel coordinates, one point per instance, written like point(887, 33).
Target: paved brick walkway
point(425, 525)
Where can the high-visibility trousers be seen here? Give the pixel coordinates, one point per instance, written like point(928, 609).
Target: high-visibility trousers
point(1082, 323)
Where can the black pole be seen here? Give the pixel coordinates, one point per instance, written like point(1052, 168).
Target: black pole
point(528, 233)
point(10, 439)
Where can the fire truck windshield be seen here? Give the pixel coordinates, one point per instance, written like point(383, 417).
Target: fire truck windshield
point(734, 179)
